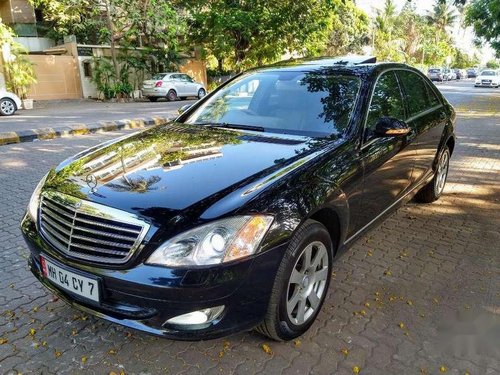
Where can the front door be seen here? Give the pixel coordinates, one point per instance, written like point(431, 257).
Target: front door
point(190, 85)
point(388, 161)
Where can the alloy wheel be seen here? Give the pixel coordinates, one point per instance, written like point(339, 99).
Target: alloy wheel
point(442, 172)
point(7, 107)
point(307, 283)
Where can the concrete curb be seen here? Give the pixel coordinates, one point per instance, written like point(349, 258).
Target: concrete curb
point(78, 129)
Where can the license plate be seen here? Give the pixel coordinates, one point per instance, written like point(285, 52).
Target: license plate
point(70, 281)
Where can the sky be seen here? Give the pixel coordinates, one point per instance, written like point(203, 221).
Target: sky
point(463, 38)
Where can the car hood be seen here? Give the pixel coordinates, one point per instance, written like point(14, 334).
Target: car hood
point(176, 167)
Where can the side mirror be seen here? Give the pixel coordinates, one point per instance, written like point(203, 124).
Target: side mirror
point(391, 127)
point(184, 108)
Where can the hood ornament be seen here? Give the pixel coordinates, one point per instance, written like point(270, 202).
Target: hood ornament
point(91, 181)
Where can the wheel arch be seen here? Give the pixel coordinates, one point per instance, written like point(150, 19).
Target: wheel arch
point(330, 219)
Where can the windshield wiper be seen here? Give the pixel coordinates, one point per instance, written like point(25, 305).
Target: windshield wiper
point(230, 126)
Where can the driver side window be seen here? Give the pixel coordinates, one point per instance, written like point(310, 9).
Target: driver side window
point(386, 101)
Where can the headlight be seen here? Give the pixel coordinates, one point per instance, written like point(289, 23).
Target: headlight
point(35, 199)
point(218, 242)
point(478, 81)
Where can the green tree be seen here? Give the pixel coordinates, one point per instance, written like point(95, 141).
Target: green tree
point(132, 23)
point(463, 60)
point(349, 29)
point(442, 16)
point(248, 33)
point(484, 17)
point(18, 70)
point(493, 64)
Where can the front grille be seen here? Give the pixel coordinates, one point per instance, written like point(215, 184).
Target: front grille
point(89, 231)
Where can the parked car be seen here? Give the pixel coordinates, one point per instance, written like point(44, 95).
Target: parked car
point(471, 73)
point(231, 216)
point(172, 86)
point(449, 74)
point(488, 78)
point(436, 74)
point(9, 103)
point(460, 73)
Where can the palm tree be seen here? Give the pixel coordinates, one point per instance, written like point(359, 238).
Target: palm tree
point(384, 20)
point(442, 15)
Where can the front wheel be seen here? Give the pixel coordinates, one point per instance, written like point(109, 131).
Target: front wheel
point(201, 93)
point(301, 284)
point(433, 190)
point(7, 107)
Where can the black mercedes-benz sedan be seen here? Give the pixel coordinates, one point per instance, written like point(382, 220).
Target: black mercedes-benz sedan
point(231, 217)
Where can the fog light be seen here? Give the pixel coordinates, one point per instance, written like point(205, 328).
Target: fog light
point(204, 316)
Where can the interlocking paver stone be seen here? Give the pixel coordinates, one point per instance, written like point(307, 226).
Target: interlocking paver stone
point(420, 292)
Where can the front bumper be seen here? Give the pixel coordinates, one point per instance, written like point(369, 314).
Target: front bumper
point(144, 297)
point(486, 84)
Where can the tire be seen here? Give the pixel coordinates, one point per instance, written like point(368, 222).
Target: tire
point(299, 290)
point(171, 95)
point(7, 107)
point(152, 98)
point(201, 93)
point(434, 188)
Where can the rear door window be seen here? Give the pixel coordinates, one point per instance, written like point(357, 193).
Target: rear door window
point(419, 95)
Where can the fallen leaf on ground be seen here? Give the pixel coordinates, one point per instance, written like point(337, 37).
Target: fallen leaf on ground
point(267, 349)
point(32, 332)
point(3, 341)
point(111, 351)
point(401, 325)
point(297, 342)
point(356, 369)
point(344, 351)
point(57, 353)
point(84, 359)
point(443, 369)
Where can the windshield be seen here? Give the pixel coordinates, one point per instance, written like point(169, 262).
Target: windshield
point(434, 70)
point(488, 73)
point(300, 103)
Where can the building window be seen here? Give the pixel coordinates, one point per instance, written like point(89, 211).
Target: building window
point(87, 69)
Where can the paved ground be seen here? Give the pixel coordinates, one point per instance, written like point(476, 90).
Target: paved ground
point(418, 295)
point(61, 113)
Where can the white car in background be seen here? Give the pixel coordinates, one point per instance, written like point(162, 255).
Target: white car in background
point(488, 78)
point(172, 86)
point(9, 103)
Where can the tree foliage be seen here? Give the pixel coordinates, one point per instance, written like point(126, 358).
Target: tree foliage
point(349, 29)
point(19, 71)
point(247, 33)
point(484, 17)
point(412, 38)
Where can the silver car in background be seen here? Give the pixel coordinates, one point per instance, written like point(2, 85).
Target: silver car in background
point(172, 86)
point(436, 74)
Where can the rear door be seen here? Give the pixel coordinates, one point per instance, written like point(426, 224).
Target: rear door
point(388, 161)
point(427, 115)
